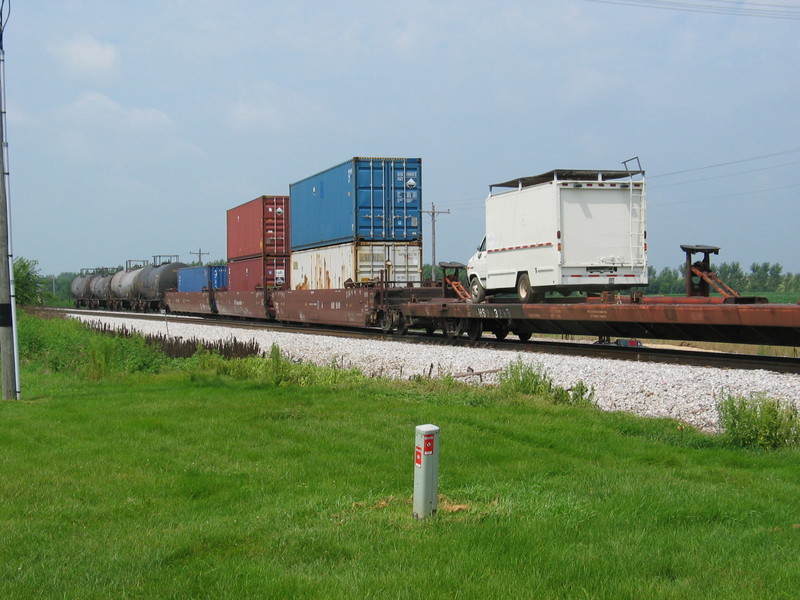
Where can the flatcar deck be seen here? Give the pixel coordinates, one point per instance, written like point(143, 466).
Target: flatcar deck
point(696, 319)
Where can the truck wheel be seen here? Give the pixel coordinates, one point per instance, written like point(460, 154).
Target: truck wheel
point(524, 290)
point(478, 291)
point(526, 293)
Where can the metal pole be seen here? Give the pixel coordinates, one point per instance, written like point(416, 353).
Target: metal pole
point(426, 471)
point(8, 339)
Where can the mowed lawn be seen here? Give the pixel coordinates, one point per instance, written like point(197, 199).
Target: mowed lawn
point(179, 486)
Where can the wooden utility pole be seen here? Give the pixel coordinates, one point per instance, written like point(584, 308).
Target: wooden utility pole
point(199, 255)
point(433, 212)
point(8, 337)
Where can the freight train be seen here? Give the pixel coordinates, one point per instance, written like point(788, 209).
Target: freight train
point(344, 248)
point(355, 231)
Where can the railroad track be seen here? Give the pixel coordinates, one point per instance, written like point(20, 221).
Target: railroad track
point(653, 354)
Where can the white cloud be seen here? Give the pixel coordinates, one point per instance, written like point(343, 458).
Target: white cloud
point(99, 111)
point(97, 128)
point(274, 109)
point(86, 56)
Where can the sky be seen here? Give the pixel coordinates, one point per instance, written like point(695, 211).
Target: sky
point(133, 126)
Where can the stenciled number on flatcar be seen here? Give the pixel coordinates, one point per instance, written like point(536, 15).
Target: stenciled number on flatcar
point(494, 313)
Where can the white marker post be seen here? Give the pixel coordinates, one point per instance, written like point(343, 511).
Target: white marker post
point(426, 471)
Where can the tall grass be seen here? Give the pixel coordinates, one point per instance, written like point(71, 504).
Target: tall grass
point(758, 421)
point(532, 379)
point(66, 346)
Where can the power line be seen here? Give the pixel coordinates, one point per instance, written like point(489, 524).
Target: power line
point(783, 187)
point(736, 174)
point(725, 164)
point(719, 7)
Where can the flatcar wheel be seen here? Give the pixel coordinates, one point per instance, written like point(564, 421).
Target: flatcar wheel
point(454, 328)
point(500, 333)
point(386, 322)
point(402, 326)
point(429, 329)
point(475, 330)
point(524, 336)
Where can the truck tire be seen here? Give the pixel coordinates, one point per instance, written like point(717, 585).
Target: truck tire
point(477, 290)
point(524, 290)
point(526, 293)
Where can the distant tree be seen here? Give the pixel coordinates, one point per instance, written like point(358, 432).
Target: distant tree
point(774, 277)
point(732, 274)
point(56, 288)
point(27, 286)
point(791, 283)
point(758, 277)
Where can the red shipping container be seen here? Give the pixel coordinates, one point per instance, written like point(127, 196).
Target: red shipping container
point(259, 228)
point(261, 272)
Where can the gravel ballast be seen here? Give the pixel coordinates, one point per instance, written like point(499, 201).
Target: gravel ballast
point(647, 389)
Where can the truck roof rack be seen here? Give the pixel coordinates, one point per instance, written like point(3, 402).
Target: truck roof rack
point(565, 175)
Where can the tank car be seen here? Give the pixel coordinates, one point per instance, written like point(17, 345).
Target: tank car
point(100, 290)
point(79, 289)
point(153, 281)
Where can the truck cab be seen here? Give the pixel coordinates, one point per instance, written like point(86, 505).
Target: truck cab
point(476, 273)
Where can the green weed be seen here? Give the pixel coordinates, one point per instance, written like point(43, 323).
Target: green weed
point(758, 421)
point(524, 378)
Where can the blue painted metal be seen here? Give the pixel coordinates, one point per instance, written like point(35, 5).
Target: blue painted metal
point(362, 199)
point(196, 279)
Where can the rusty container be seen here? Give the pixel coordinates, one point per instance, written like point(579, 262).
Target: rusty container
point(343, 265)
point(259, 228)
point(261, 272)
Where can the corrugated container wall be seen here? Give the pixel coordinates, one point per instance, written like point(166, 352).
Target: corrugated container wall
point(259, 227)
point(363, 199)
point(332, 266)
point(196, 279)
point(270, 272)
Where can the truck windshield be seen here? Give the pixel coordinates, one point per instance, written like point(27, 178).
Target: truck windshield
point(482, 247)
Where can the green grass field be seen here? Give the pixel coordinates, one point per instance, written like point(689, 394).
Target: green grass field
point(125, 475)
point(177, 486)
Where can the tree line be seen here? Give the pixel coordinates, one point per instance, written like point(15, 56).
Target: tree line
point(762, 277)
point(33, 288)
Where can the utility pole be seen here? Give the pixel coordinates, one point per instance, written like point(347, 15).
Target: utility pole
point(199, 255)
point(8, 333)
point(433, 212)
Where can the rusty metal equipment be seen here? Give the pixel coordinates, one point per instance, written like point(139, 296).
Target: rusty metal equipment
point(452, 280)
point(699, 276)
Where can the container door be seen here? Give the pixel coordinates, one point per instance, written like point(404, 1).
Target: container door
point(276, 226)
point(388, 199)
point(400, 263)
point(406, 261)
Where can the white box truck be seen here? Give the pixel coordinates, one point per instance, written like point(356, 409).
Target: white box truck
point(562, 231)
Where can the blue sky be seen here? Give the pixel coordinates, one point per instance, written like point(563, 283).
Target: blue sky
point(133, 127)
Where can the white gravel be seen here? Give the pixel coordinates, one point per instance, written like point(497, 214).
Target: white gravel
point(652, 390)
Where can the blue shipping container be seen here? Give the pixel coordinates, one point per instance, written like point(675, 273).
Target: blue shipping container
point(363, 199)
point(195, 279)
